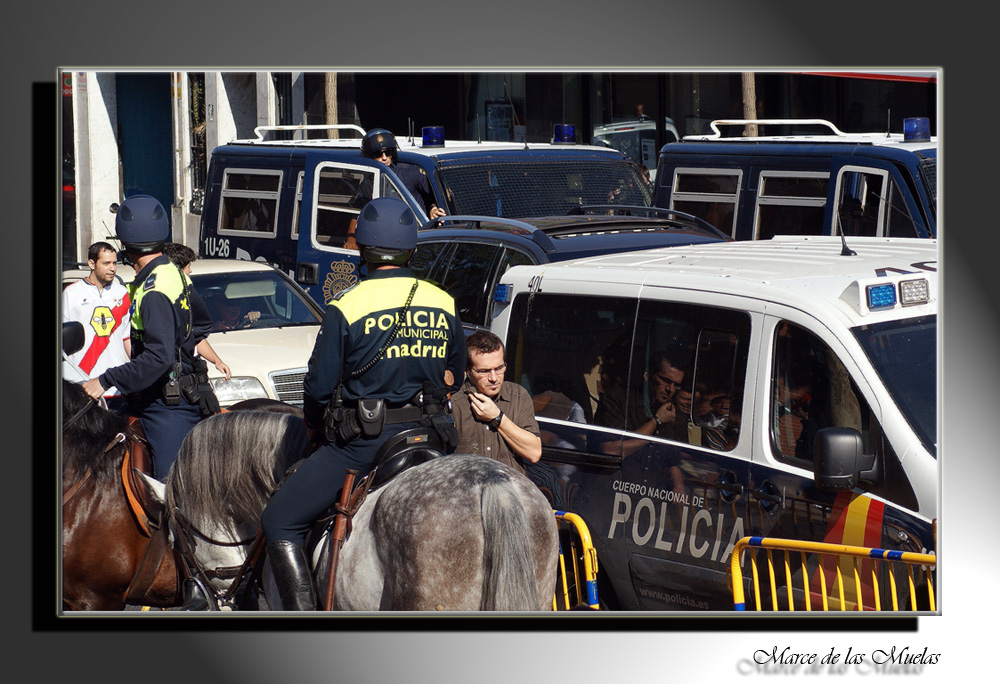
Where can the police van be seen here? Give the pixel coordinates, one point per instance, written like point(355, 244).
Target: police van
point(291, 202)
point(802, 371)
point(792, 183)
point(636, 139)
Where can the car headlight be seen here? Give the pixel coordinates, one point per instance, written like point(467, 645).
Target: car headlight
point(237, 389)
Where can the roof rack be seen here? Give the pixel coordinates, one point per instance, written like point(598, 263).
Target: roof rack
point(774, 122)
point(533, 232)
point(259, 131)
point(657, 212)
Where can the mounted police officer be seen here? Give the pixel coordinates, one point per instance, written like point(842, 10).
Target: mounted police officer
point(380, 144)
point(164, 384)
point(367, 381)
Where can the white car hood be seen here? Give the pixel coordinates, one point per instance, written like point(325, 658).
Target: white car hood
point(260, 352)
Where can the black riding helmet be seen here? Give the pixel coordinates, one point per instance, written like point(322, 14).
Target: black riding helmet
point(376, 140)
point(386, 232)
point(142, 224)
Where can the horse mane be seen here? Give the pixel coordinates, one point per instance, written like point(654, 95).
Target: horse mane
point(84, 440)
point(229, 464)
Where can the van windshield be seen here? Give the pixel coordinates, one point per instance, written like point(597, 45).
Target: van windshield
point(904, 354)
point(540, 187)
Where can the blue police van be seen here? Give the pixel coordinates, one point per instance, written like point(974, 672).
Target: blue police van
point(786, 182)
point(292, 202)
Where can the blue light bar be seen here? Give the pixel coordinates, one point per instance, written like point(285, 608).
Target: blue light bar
point(564, 134)
point(501, 293)
point(433, 136)
point(917, 129)
point(881, 296)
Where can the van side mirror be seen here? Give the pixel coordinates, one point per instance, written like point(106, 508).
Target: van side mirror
point(72, 336)
point(839, 460)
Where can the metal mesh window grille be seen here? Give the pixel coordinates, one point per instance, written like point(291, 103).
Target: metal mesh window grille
point(540, 187)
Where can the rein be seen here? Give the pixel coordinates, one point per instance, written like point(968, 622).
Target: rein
point(188, 527)
point(79, 414)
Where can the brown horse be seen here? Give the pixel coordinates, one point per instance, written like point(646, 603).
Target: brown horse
point(113, 552)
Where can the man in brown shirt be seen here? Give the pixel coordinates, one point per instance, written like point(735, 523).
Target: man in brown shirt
point(494, 418)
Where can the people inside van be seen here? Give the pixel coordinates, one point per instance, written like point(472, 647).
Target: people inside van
point(719, 413)
point(684, 400)
point(723, 437)
point(620, 407)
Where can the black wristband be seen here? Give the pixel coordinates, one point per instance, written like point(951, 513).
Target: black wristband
point(495, 422)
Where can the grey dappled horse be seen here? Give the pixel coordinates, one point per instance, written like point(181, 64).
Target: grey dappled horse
point(456, 533)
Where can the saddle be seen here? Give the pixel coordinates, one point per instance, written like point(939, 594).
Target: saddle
point(399, 453)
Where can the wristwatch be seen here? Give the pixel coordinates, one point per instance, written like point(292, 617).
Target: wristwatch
point(659, 422)
point(494, 424)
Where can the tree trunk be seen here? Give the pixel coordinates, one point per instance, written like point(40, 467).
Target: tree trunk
point(331, 103)
point(749, 103)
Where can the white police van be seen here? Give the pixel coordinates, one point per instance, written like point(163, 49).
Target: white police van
point(786, 182)
point(290, 202)
point(824, 352)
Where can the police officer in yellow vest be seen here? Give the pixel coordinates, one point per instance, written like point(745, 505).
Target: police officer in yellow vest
point(363, 358)
point(164, 384)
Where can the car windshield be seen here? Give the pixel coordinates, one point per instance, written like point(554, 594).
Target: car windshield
point(239, 301)
point(540, 187)
point(904, 354)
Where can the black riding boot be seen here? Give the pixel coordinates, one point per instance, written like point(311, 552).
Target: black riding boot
point(291, 573)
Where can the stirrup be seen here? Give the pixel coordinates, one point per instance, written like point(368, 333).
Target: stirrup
point(196, 595)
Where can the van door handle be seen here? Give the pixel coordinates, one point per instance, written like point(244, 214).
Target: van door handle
point(768, 495)
point(307, 274)
point(729, 486)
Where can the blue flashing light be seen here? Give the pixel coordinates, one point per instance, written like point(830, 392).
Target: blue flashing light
point(917, 129)
point(881, 296)
point(433, 136)
point(564, 134)
point(501, 293)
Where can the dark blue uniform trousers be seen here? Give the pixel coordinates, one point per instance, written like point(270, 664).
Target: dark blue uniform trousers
point(165, 428)
point(315, 486)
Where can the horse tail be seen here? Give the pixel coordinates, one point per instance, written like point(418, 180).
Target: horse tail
point(509, 581)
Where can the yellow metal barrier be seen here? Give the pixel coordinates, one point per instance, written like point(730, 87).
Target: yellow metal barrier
point(820, 564)
point(576, 585)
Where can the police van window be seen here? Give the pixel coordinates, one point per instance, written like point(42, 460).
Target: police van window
point(389, 188)
point(812, 389)
point(790, 204)
point(696, 350)
point(575, 345)
point(859, 201)
point(899, 221)
point(298, 205)
point(338, 202)
point(249, 202)
point(868, 198)
point(711, 194)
